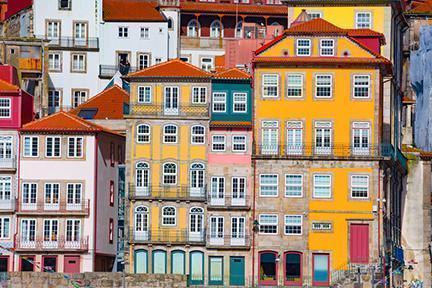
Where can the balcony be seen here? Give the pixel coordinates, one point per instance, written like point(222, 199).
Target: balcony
point(8, 163)
point(72, 43)
point(39, 244)
point(61, 208)
point(168, 236)
point(30, 65)
point(108, 71)
point(183, 192)
point(215, 202)
point(182, 111)
point(312, 151)
point(228, 242)
point(7, 205)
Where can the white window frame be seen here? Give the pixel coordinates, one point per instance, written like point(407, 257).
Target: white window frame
point(77, 60)
point(194, 135)
point(326, 186)
point(215, 232)
point(269, 224)
point(144, 92)
point(270, 85)
point(304, 47)
point(54, 139)
point(169, 217)
point(287, 223)
point(363, 128)
point(5, 188)
point(199, 96)
point(294, 185)
point(6, 147)
point(74, 234)
point(143, 134)
point(363, 25)
point(271, 185)
point(220, 102)
point(207, 63)
point(53, 59)
point(323, 85)
point(243, 142)
point(79, 97)
point(169, 174)
point(31, 138)
point(269, 127)
point(361, 86)
point(218, 143)
point(74, 188)
point(323, 48)
point(170, 134)
point(145, 33)
point(295, 85)
point(353, 187)
point(123, 32)
point(240, 187)
point(27, 237)
point(314, 14)
point(240, 102)
point(75, 147)
point(3, 234)
point(6, 108)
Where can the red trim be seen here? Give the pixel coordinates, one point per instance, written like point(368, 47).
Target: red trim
point(21, 259)
point(293, 283)
point(268, 282)
point(321, 284)
point(8, 268)
point(95, 201)
point(49, 256)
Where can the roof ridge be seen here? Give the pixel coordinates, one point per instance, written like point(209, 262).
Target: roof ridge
point(162, 64)
point(100, 94)
point(80, 120)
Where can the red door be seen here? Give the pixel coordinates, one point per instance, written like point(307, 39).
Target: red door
point(359, 243)
point(72, 264)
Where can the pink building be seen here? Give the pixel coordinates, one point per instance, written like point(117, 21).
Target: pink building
point(67, 203)
point(16, 109)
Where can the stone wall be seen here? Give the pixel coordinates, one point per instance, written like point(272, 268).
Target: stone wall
point(94, 280)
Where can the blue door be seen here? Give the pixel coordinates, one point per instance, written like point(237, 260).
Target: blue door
point(237, 271)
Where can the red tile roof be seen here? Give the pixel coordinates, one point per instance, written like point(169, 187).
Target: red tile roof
point(233, 124)
point(7, 87)
point(109, 104)
point(131, 11)
point(423, 8)
point(233, 73)
point(227, 8)
point(62, 122)
point(172, 68)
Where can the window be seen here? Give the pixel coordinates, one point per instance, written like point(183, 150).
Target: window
point(294, 138)
point(216, 270)
point(269, 185)
point(141, 223)
point(314, 15)
point(268, 224)
point(50, 230)
point(75, 147)
point(293, 268)
point(170, 134)
point(142, 177)
point(268, 268)
point(293, 185)
point(74, 194)
point(207, 64)
point(217, 189)
point(359, 186)
point(111, 231)
point(80, 31)
point(178, 261)
point(143, 61)
point(303, 47)
point(294, 85)
point(65, 4)
point(199, 95)
point(197, 134)
point(31, 146)
point(123, 32)
point(360, 141)
point(170, 24)
point(54, 62)
point(293, 224)
point(270, 134)
point(143, 133)
point(196, 268)
point(73, 229)
point(217, 228)
point(169, 216)
point(327, 47)
point(361, 86)
point(363, 20)
point(238, 227)
point(193, 28)
point(216, 29)
point(323, 138)
point(29, 195)
point(111, 198)
point(239, 102)
point(112, 154)
point(270, 85)
point(5, 108)
point(169, 174)
point(219, 102)
point(28, 230)
point(4, 227)
point(197, 172)
point(53, 30)
point(323, 86)
point(218, 143)
point(158, 60)
point(239, 29)
point(79, 97)
point(196, 219)
point(5, 188)
point(6, 147)
point(141, 261)
point(145, 33)
point(320, 270)
point(322, 186)
point(78, 63)
point(53, 98)
point(238, 187)
point(52, 191)
point(238, 143)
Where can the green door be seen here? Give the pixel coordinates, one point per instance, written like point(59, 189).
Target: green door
point(237, 271)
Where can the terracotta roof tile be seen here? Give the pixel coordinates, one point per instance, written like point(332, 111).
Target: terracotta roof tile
point(245, 124)
point(233, 73)
point(131, 11)
point(108, 104)
point(423, 8)
point(318, 25)
point(249, 9)
point(172, 68)
point(62, 122)
point(8, 87)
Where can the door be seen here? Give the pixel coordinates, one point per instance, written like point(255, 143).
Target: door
point(171, 101)
point(294, 138)
point(238, 191)
point(72, 264)
point(237, 271)
point(269, 136)
point(27, 263)
point(197, 180)
point(4, 263)
point(123, 63)
point(238, 231)
point(359, 243)
point(196, 224)
point(217, 191)
point(49, 264)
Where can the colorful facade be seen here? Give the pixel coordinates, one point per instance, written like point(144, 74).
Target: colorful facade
point(317, 171)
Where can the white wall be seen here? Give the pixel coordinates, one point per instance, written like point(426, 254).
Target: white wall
point(174, 39)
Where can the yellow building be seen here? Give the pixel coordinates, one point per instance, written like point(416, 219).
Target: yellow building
point(318, 148)
point(167, 130)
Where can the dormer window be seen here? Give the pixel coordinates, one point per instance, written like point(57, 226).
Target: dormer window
point(65, 4)
point(303, 47)
point(327, 47)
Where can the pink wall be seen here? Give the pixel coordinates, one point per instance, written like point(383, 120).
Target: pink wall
point(372, 43)
point(9, 74)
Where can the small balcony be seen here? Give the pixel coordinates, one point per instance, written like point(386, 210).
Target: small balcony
point(182, 192)
point(228, 201)
point(7, 205)
point(30, 65)
point(41, 244)
point(108, 71)
point(167, 236)
point(8, 163)
point(228, 241)
point(62, 208)
point(313, 151)
point(181, 111)
point(72, 43)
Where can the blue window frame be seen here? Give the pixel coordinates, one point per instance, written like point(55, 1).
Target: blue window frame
point(141, 261)
point(215, 270)
point(159, 262)
point(178, 262)
point(196, 269)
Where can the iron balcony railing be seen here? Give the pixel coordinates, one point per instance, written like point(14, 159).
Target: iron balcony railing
point(228, 241)
point(54, 208)
point(108, 71)
point(91, 43)
point(182, 192)
point(8, 163)
point(176, 236)
point(177, 110)
point(326, 152)
point(228, 201)
point(51, 244)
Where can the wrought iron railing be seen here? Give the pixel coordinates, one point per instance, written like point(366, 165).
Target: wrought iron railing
point(182, 110)
point(52, 243)
point(108, 71)
point(71, 42)
point(181, 192)
point(167, 236)
point(54, 208)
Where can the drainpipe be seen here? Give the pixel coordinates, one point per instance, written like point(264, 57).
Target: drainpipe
point(253, 176)
point(95, 200)
point(17, 197)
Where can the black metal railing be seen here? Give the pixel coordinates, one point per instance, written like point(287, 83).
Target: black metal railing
point(180, 192)
point(167, 236)
point(71, 42)
point(181, 110)
point(108, 71)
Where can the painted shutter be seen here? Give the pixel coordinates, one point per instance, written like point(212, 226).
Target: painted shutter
point(359, 243)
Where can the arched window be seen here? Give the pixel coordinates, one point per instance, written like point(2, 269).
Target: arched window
point(239, 30)
point(293, 268)
point(268, 268)
point(142, 178)
point(216, 29)
point(196, 220)
point(178, 262)
point(169, 216)
point(141, 261)
point(170, 134)
point(197, 134)
point(170, 24)
point(143, 133)
point(275, 24)
point(141, 223)
point(193, 28)
point(169, 174)
point(197, 173)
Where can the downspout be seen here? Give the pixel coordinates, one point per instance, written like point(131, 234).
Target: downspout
point(17, 197)
point(95, 200)
point(253, 176)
